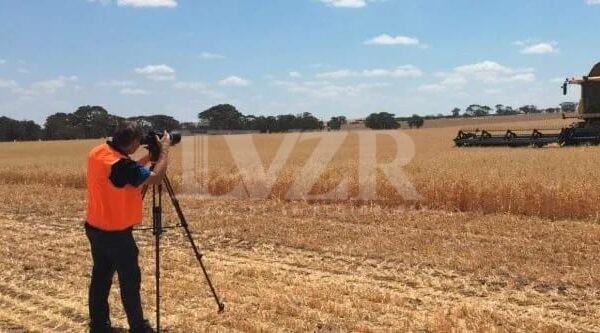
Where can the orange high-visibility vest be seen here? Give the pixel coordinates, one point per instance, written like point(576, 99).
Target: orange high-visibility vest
point(108, 207)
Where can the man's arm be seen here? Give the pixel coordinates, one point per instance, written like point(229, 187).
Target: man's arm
point(144, 160)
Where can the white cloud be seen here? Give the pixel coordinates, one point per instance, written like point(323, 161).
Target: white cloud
point(484, 68)
point(23, 71)
point(490, 71)
point(540, 48)
point(211, 56)
point(52, 86)
point(346, 3)
point(198, 86)
point(400, 71)
point(2, 61)
point(102, 2)
point(140, 3)
point(295, 74)
point(449, 82)
point(432, 88)
point(485, 71)
point(25, 93)
point(558, 79)
point(234, 81)
point(493, 91)
point(157, 72)
point(161, 77)
point(8, 84)
point(116, 83)
point(147, 3)
point(592, 2)
point(324, 89)
point(131, 91)
point(386, 39)
point(522, 77)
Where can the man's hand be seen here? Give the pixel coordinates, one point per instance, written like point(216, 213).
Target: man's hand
point(160, 166)
point(164, 142)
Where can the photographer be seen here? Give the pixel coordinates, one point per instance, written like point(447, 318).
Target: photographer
point(114, 206)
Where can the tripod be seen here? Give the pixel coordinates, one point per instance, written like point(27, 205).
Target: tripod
point(157, 231)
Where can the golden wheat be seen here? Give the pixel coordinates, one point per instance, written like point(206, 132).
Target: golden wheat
point(548, 182)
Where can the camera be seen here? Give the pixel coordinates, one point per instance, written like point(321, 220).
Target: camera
point(151, 142)
point(150, 138)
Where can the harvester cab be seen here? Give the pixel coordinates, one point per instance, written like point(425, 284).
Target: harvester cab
point(589, 104)
point(586, 131)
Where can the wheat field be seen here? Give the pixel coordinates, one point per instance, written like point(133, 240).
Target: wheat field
point(501, 240)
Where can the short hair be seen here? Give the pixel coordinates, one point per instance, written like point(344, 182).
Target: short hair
point(126, 132)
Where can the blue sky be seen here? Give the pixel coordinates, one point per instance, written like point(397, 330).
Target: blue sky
point(327, 57)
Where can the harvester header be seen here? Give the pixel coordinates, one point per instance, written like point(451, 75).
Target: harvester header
point(585, 131)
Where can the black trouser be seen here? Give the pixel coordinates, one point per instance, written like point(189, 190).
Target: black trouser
point(114, 251)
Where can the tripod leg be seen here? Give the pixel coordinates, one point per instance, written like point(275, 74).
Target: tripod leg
point(157, 231)
point(198, 254)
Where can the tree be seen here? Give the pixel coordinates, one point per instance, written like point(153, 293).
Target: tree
point(11, 130)
point(382, 120)
point(500, 109)
point(335, 123)
point(568, 106)
point(415, 121)
point(249, 122)
point(157, 122)
point(455, 112)
point(86, 122)
point(271, 124)
point(222, 117)
point(529, 109)
point(286, 122)
point(306, 121)
point(484, 111)
point(476, 110)
point(59, 126)
point(92, 121)
point(190, 126)
point(470, 110)
point(510, 111)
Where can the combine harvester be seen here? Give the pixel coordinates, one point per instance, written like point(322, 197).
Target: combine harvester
point(586, 131)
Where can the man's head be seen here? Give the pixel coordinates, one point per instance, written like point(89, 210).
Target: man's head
point(127, 136)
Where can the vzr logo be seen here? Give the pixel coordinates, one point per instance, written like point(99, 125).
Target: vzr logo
point(257, 182)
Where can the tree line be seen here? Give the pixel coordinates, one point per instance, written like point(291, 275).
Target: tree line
point(227, 118)
point(89, 122)
point(476, 110)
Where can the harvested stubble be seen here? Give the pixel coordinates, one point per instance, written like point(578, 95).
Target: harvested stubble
point(296, 266)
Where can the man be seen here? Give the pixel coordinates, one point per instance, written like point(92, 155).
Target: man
point(114, 206)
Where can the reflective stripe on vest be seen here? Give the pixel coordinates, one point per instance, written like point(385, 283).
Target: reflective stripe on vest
point(108, 207)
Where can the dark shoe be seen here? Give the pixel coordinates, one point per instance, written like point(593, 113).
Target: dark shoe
point(144, 328)
point(101, 328)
